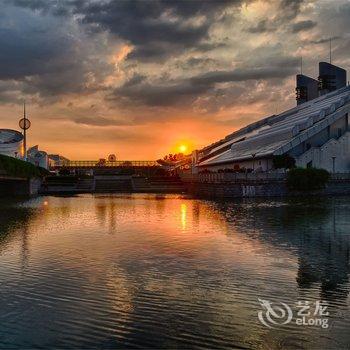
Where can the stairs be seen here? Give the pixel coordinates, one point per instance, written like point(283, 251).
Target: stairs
point(167, 185)
point(141, 184)
point(85, 185)
point(113, 184)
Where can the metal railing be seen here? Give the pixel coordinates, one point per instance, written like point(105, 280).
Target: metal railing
point(340, 176)
point(103, 164)
point(249, 177)
point(233, 177)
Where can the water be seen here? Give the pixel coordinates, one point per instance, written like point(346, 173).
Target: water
point(148, 271)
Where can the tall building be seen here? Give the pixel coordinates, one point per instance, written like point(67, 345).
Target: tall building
point(306, 88)
point(330, 78)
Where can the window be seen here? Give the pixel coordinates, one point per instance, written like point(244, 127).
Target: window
point(309, 165)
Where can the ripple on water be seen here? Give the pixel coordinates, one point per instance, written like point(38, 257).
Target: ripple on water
point(153, 271)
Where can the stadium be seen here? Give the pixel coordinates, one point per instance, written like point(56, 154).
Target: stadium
point(11, 143)
point(315, 133)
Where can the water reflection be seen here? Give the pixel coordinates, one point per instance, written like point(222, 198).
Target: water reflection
point(317, 231)
point(14, 218)
point(183, 209)
point(167, 271)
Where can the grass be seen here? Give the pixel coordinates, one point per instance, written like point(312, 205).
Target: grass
point(19, 168)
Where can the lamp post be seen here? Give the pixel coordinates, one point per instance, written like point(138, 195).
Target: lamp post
point(333, 159)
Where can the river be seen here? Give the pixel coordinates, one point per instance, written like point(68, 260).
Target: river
point(167, 271)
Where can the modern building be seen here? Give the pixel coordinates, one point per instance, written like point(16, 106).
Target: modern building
point(315, 133)
point(306, 89)
point(330, 78)
point(11, 143)
point(57, 160)
point(38, 158)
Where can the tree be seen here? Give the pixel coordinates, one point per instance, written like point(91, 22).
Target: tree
point(309, 179)
point(283, 161)
point(173, 157)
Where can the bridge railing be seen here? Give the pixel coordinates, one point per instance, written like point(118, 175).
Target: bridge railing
point(340, 176)
point(98, 163)
point(250, 177)
point(233, 177)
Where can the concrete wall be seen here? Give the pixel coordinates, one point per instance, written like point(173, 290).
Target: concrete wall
point(10, 187)
point(267, 189)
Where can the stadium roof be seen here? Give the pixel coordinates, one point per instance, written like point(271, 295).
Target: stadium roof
point(10, 136)
point(278, 134)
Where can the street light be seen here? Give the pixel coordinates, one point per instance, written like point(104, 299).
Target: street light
point(333, 159)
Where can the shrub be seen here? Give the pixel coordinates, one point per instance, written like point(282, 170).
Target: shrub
point(283, 161)
point(308, 179)
point(19, 168)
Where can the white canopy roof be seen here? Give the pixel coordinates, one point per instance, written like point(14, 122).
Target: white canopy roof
point(279, 133)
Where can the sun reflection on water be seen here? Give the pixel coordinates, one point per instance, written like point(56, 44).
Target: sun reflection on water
point(183, 209)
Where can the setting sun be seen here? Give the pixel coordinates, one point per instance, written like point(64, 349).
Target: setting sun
point(183, 148)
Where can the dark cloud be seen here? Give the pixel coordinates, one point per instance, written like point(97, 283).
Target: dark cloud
point(303, 25)
point(322, 40)
point(194, 62)
point(156, 28)
point(184, 91)
point(169, 94)
point(47, 54)
point(30, 51)
point(242, 75)
point(289, 9)
point(261, 27)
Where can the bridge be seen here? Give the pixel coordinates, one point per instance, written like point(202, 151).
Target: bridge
point(102, 164)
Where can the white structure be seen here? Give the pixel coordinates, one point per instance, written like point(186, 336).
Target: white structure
point(57, 160)
point(38, 158)
point(316, 133)
point(11, 143)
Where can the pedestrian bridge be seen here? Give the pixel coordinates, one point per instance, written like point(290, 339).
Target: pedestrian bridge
point(91, 164)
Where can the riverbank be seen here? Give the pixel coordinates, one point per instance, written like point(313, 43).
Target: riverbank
point(230, 185)
point(211, 185)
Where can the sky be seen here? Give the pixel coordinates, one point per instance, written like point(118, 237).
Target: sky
point(140, 79)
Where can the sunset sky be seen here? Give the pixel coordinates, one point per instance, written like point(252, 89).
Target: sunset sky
point(141, 78)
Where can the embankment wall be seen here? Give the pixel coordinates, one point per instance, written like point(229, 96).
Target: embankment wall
point(261, 189)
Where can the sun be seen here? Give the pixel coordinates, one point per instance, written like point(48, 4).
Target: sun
point(183, 148)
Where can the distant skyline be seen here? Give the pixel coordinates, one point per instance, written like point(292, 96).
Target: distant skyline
point(141, 79)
